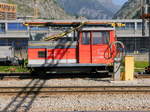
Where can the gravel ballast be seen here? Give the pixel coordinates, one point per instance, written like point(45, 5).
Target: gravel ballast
point(74, 82)
point(79, 102)
point(73, 101)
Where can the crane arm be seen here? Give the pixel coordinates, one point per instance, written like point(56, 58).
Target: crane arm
point(53, 37)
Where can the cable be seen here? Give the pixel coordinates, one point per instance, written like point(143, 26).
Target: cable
point(112, 52)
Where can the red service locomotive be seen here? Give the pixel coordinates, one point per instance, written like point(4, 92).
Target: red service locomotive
point(90, 48)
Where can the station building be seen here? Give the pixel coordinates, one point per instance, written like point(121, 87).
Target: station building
point(15, 33)
point(7, 11)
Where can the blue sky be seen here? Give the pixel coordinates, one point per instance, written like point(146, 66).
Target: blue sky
point(120, 2)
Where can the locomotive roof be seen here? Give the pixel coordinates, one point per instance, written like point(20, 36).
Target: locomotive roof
point(97, 29)
point(69, 24)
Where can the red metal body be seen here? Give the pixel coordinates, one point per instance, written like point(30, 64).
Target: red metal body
point(95, 53)
point(91, 49)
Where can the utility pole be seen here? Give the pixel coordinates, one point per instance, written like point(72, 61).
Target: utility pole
point(146, 16)
point(143, 20)
point(36, 12)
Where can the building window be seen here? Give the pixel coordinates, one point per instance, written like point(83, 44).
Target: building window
point(2, 27)
point(139, 26)
point(16, 27)
point(4, 42)
point(147, 1)
point(39, 28)
point(41, 54)
point(129, 26)
point(20, 43)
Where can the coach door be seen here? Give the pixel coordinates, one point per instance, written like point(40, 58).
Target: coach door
point(92, 46)
point(85, 47)
point(99, 43)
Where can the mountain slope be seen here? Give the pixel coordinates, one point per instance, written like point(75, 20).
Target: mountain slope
point(91, 9)
point(130, 10)
point(48, 9)
point(110, 5)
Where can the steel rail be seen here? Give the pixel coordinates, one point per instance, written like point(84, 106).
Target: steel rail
point(60, 89)
point(78, 87)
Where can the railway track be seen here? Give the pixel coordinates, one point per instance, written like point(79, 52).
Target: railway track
point(77, 89)
point(10, 76)
point(140, 76)
point(29, 75)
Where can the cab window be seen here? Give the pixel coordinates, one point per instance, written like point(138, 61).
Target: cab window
point(100, 37)
point(86, 38)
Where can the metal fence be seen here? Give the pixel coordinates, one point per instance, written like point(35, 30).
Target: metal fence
point(136, 44)
point(21, 52)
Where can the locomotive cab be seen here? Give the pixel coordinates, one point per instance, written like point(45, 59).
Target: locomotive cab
point(90, 51)
point(94, 45)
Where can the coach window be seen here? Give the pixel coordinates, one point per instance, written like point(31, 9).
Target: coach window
point(100, 37)
point(42, 54)
point(16, 26)
point(86, 38)
point(139, 26)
